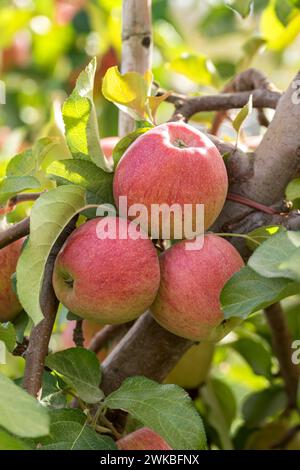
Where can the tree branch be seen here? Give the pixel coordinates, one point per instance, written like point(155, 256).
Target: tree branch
point(41, 333)
point(282, 343)
point(136, 46)
point(108, 334)
point(14, 233)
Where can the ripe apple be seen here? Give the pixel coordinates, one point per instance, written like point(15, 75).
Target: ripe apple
point(108, 280)
point(108, 144)
point(173, 163)
point(193, 368)
point(10, 307)
point(89, 329)
point(188, 300)
point(143, 439)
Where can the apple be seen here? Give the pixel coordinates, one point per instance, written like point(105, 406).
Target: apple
point(193, 368)
point(10, 306)
point(89, 329)
point(108, 144)
point(172, 163)
point(188, 300)
point(143, 439)
point(109, 280)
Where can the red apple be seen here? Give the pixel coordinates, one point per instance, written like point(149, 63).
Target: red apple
point(10, 307)
point(188, 300)
point(108, 144)
point(173, 163)
point(106, 280)
point(143, 439)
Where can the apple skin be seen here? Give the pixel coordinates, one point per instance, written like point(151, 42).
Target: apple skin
point(192, 369)
point(108, 281)
point(143, 439)
point(108, 144)
point(188, 300)
point(173, 163)
point(10, 307)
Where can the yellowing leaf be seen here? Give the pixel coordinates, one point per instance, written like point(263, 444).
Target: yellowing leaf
point(243, 114)
point(274, 32)
point(155, 101)
point(129, 91)
point(197, 68)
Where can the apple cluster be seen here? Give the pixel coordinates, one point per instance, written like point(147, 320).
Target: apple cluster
point(115, 280)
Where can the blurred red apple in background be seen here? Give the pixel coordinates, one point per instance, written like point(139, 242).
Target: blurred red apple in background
point(143, 439)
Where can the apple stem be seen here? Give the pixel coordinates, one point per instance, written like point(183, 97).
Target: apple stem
point(240, 235)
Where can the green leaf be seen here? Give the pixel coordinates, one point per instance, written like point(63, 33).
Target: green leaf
point(292, 191)
point(264, 404)
point(80, 118)
point(222, 408)
point(124, 143)
point(8, 335)
point(9, 442)
point(80, 369)
point(13, 185)
point(277, 35)
point(129, 91)
point(243, 114)
point(20, 325)
point(292, 265)
point(88, 176)
point(247, 292)
point(166, 409)
point(242, 7)
point(28, 163)
point(20, 413)
point(268, 258)
point(69, 431)
point(198, 68)
point(262, 234)
point(49, 215)
point(256, 352)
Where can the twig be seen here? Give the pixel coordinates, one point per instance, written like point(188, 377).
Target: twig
point(249, 203)
point(108, 334)
point(282, 347)
point(19, 198)
point(41, 333)
point(14, 233)
point(78, 334)
point(291, 433)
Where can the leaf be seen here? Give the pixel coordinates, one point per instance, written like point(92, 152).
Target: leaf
point(20, 413)
point(268, 257)
point(87, 175)
point(80, 369)
point(198, 68)
point(50, 214)
point(9, 442)
point(28, 162)
point(222, 408)
point(13, 185)
point(20, 325)
point(125, 142)
point(242, 7)
point(8, 335)
point(292, 191)
point(155, 101)
point(243, 114)
point(167, 409)
point(264, 404)
point(129, 91)
point(292, 265)
point(256, 352)
point(278, 36)
point(247, 292)
point(69, 431)
point(80, 118)
point(262, 234)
